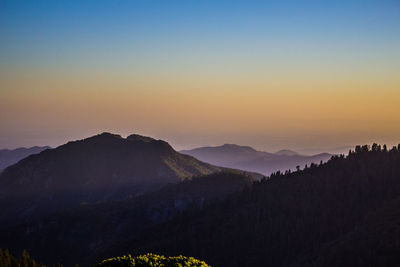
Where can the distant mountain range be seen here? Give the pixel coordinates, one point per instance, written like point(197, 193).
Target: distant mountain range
point(100, 168)
point(9, 157)
point(249, 159)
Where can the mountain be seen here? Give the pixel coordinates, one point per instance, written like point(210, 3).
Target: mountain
point(100, 168)
point(9, 157)
point(341, 213)
point(249, 159)
point(286, 152)
point(79, 234)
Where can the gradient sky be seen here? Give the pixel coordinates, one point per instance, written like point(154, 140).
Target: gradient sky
point(305, 75)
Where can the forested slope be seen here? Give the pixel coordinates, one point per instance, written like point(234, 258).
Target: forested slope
point(287, 219)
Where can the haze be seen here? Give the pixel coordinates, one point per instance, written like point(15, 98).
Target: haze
point(305, 75)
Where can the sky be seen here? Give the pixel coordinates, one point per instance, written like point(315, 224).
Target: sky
point(305, 75)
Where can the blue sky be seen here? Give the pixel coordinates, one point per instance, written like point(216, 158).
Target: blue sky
point(37, 32)
point(272, 74)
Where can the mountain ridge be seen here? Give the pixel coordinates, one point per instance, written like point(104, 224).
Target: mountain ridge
point(250, 159)
point(286, 152)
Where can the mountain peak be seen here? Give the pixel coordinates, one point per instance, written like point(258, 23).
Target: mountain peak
point(238, 147)
point(105, 135)
point(132, 137)
point(137, 137)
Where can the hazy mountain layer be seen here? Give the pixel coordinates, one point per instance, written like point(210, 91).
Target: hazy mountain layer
point(249, 159)
point(9, 157)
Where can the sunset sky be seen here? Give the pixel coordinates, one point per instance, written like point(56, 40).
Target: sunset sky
point(306, 75)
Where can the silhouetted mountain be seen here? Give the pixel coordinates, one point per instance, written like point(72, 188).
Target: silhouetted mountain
point(249, 159)
point(77, 235)
point(342, 213)
point(9, 157)
point(100, 168)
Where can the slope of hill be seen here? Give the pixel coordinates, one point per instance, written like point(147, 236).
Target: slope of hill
point(373, 242)
point(76, 235)
point(100, 168)
point(9, 157)
point(249, 159)
point(302, 218)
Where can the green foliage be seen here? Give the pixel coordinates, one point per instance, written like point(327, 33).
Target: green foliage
point(152, 260)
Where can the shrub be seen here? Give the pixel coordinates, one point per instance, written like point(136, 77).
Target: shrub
point(152, 260)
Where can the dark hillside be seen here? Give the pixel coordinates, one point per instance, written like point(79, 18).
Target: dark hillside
point(281, 220)
point(76, 235)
